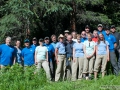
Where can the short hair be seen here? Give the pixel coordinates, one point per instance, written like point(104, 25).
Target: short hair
point(53, 36)
point(95, 31)
point(18, 40)
point(8, 38)
point(74, 32)
point(78, 35)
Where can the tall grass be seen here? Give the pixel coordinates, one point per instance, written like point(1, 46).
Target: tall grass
point(17, 78)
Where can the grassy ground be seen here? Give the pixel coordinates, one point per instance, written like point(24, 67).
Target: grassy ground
point(17, 79)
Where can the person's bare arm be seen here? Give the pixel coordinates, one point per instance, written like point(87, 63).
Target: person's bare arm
point(56, 55)
point(47, 56)
point(115, 45)
point(73, 54)
point(36, 57)
point(108, 56)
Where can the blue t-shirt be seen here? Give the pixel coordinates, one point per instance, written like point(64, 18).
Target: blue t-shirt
point(83, 39)
point(7, 53)
point(103, 32)
point(18, 55)
point(102, 47)
point(34, 46)
point(28, 56)
point(78, 49)
point(51, 51)
point(61, 48)
point(112, 40)
point(54, 44)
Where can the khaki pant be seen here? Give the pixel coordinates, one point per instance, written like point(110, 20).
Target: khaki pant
point(45, 66)
point(99, 59)
point(88, 65)
point(78, 62)
point(61, 66)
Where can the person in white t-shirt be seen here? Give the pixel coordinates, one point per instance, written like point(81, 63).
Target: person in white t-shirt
point(41, 58)
point(89, 50)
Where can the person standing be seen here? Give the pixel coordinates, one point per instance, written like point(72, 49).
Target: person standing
point(69, 56)
point(7, 53)
point(18, 51)
point(50, 54)
point(89, 50)
point(83, 36)
point(78, 59)
point(87, 30)
point(95, 36)
point(66, 33)
point(54, 42)
point(60, 55)
point(112, 45)
point(102, 55)
point(28, 54)
point(74, 36)
point(34, 43)
point(41, 58)
point(117, 36)
point(100, 29)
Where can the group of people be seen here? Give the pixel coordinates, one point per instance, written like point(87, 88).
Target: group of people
point(73, 56)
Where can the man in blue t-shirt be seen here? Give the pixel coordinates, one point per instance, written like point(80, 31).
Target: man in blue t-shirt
point(83, 36)
point(7, 53)
point(112, 44)
point(28, 54)
point(51, 51)
point(34, 41)
point(100, 29)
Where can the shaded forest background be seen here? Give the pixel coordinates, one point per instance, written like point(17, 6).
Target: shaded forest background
point(40, 18)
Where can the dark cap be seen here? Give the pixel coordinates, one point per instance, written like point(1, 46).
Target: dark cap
point(34, 38)
point(40, 40)
point(100, 25)
point(112, 26)
point(46, 38)
point(87, 26)
point(26, 41)
point(107, 28)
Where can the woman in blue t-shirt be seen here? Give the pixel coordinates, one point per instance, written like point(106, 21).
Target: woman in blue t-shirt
point(78, 58)
point(102, 55)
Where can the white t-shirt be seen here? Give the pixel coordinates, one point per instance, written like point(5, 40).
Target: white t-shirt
point(41, 52)
point(89, 47)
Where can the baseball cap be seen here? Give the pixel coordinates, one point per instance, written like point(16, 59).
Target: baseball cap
point(107, 28)
point(26, 41)
point(46, 38)
point(100, 25)
point(87, 26)
point(66, 31)
point(34, 38)
point(112, 26)
point(40, 40)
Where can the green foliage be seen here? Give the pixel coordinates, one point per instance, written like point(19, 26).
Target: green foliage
point(19, 78)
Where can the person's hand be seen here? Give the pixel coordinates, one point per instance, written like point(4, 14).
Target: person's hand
point(74, 60)
point(36, 62)
point(57, 61)
point(108, 59)
point(88, 57)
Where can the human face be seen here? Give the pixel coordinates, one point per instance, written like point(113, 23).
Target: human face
point(41, 43)
point(95, 34)
point(101, 36)
point(8, 41)
point(27, 44)
point(61, 39)
point(18, 43)
point(112, 30)
point(74, 35)
point(89, 38)
point(107, 31)
point(78, 39)
point(83, 34)
point(87, 30)
point(69, 38)
point(47, 41)
point(100, 28)
point(34, 41)
point(54, 39)
point(66, 34)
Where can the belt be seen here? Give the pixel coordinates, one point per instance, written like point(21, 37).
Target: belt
point(61, 54)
